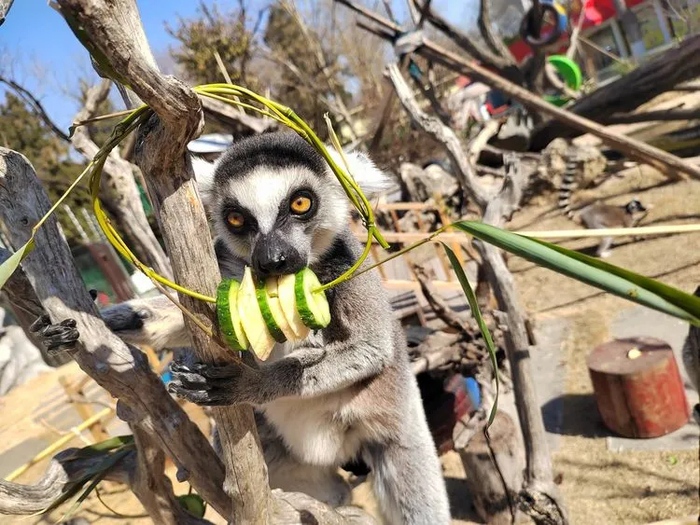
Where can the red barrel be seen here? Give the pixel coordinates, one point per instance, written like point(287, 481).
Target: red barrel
point(638, 387)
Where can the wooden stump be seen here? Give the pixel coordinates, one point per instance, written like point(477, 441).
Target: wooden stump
point(638, 387)
point(495, 503)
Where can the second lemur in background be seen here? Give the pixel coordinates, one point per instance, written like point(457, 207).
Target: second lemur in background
point(597, 215)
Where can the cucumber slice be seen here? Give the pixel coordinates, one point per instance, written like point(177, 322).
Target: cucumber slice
point(285, 290)
point(230, 324)
point(312, 306)
point(268, 305)
point(259, 337)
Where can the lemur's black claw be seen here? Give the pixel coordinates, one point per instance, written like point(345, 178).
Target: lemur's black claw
point(203, 384)
point(41, 323)
point(56, 337)
point(200, 397)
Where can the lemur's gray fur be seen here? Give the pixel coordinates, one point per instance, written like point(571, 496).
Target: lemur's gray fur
point(347, 391)
point(596, 216)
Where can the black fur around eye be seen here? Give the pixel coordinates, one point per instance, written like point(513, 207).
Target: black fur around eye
point(302, 204)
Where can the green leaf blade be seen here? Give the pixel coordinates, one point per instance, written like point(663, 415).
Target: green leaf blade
point(471, 299)
point(12, 263)
point(602, 275)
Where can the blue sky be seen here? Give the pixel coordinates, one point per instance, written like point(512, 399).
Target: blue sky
point(35, 37)
point(42, 53)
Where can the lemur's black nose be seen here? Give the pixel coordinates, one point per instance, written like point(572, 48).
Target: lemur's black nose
point(275, 256)
point(270, 266)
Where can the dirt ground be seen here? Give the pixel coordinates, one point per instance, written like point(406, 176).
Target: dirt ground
point(601, 486)
point(598, 486)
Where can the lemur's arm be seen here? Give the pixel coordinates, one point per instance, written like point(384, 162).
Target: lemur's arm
point(155, 322)
point(361, 343)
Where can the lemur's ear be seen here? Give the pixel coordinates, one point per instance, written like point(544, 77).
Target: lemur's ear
point(373, 181)
point(204, 175)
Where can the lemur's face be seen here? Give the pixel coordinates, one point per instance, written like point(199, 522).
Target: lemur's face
point(276, 205)
point(279, 220)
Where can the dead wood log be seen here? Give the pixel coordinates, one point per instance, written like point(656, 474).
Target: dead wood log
point(121, 370)
point(494, 469)
point(669, 164)
point(679, 64)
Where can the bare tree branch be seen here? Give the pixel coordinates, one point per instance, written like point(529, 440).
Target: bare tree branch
point(5, 6)
point(36, 105)
point(540, 496)
point(443, 134)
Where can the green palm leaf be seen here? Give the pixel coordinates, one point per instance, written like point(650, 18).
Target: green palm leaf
point(471, 298)
point(589, 270)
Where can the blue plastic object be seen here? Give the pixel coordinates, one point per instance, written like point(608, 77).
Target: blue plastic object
point(473, 392)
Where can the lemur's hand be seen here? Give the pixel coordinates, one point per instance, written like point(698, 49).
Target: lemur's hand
point(55, 337)
point(213, 385)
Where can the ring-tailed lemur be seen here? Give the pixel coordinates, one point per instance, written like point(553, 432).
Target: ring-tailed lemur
point(597, 215)
point(347, 391)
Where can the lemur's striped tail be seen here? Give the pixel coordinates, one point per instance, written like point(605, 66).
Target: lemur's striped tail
point(568, 185)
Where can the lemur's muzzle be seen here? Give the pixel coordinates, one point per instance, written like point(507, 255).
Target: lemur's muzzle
point(273, 255)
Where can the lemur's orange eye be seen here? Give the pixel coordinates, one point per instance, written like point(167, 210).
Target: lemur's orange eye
point(235, 219)
point(300, 204)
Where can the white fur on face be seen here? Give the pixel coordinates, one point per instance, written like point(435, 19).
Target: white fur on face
point(264, 191)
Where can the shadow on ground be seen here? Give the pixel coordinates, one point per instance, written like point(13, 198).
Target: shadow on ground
point(574, 415)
